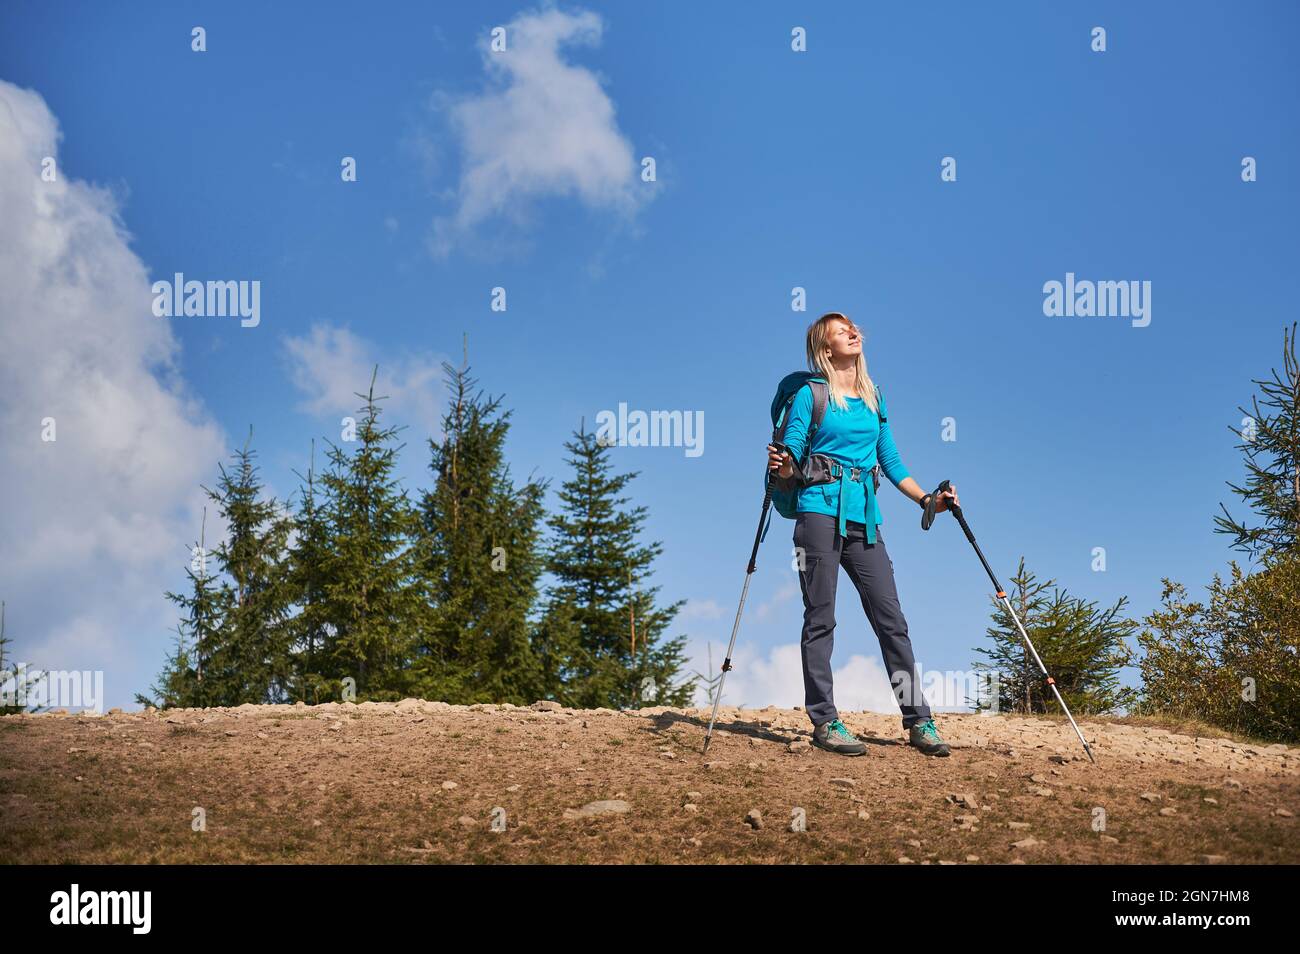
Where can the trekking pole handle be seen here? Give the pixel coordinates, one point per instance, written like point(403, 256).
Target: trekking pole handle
point(762, 517)
point(780, 449)
point(956, 512)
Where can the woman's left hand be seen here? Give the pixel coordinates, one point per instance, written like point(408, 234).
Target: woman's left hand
point(941, 502)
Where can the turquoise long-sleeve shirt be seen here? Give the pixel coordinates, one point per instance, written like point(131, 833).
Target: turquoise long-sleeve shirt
point(856, 438)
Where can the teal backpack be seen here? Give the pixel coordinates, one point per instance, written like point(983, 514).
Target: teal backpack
point(786, 490)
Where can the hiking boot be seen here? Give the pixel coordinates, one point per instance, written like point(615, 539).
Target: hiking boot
point(925, 737)
point(834, 737)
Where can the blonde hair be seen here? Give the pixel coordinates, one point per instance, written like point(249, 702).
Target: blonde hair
point(863, 387)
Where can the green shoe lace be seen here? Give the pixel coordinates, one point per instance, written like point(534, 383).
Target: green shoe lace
point(929, 729)
point(841, 730)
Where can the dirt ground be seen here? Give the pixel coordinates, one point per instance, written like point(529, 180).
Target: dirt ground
point(421, 782)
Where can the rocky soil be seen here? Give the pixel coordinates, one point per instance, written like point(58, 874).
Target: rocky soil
point(426, 782)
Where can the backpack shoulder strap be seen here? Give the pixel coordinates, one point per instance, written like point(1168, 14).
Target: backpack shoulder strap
point(785, 400)
point(821, 396)
point(880, 407)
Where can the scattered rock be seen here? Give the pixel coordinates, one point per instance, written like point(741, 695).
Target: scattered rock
point(1030, 842)
point(1213, 860)
point(904, 860)
point(614, 806)
point(844, 782)
point(799, 746)
point(466, 821)
point(448, 786)
point(546, 705)
point(1109, 840)
point(964, 800)
point(1150, 797)
point(1168, 810)
point(754, 819)
point(1017, 826)
point(1282, 813)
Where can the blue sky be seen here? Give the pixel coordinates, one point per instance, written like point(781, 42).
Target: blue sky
point(775, 169)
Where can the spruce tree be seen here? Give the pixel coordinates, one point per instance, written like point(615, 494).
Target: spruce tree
point(481, 557)
point(19, 686)
point(187, 677)
point(373, 604)
point(601, 571)
point(1234, 660)
point(308, 576)
point(1083, 647)
point(251, 658)
point(1270, 443)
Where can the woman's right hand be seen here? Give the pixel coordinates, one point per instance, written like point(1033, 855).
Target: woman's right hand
point(780, 461)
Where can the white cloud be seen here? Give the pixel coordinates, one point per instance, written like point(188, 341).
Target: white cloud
point(96, 523)
point(777, 679)
point(544, 127)
point(331, 365)
point(784, 595)
point(700, 609)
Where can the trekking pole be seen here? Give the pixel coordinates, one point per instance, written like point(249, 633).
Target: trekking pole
point(1002, 595)
point(735, 627)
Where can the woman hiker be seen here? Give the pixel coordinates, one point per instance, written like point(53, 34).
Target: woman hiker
point(837, 525)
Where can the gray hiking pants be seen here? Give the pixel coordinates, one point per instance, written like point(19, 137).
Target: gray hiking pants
point(872, 573)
